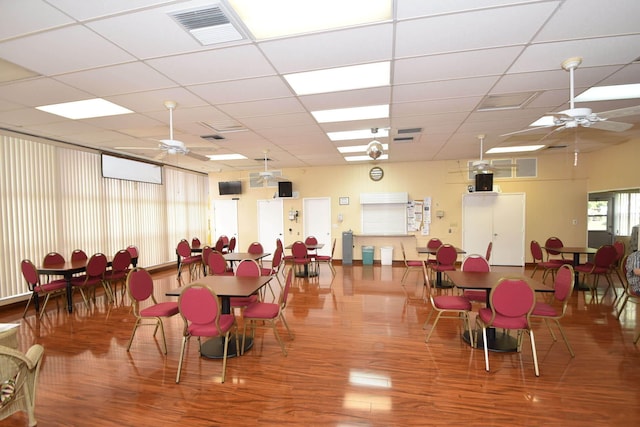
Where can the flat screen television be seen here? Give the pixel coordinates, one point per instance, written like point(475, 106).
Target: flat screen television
point(229, 187)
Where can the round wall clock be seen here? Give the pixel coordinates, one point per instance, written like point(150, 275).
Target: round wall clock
point(376, 173)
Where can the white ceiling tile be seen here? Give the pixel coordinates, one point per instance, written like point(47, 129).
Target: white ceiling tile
point(263, 108)
point(345, 99)
point(443, 89)
point(408, 9)
point(243, 90)
point(41, 91)
point(28, 16)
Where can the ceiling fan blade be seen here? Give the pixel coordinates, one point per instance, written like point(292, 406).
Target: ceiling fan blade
point(161, 155)
point(197, 156)
point(136, 148)
point(611, 126)
point(527, 130)
point(621, 112)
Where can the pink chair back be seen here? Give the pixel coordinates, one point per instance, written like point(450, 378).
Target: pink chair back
point(536, 251)
point(563, 285)
point(287, 286)
point(133, 251)
point(121, 260)
point(232, 244)
point(195, 242)
point(299, 250)
point(97, 265)
point(79, 255)
point(512, 298)
point(475, 262)
point(216, 263)
point(620, 250)
point(52, 258)
point(255, 248)
point(487, 256)
point(225, 240)
point(199, 305)
point(277, 258)
point(140, 284)
point(553, 242)
point(279, 244)
point(184, 250)
point(311, 240)
point(446, 255)
point(30, 273)
point(605, 256)
point(434, 243)
point(219, 245)
point(206, 250)
point(248, 268)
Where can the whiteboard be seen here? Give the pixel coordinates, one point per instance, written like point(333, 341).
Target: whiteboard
point(387, 218)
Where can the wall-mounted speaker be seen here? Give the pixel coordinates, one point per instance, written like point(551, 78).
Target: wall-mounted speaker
point(285, 189)
point(484, 182)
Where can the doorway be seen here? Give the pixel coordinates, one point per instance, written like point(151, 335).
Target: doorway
point(270, 224)
point(225, 220)
point(316, 217)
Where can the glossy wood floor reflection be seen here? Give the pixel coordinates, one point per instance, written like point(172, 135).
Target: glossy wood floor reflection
point(358, 359)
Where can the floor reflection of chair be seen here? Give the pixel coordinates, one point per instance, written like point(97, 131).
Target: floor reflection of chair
point(146, 309)
point(511, 304)
point(269, 313)
point(563, 287)
point(200, 309)
point(447, 306)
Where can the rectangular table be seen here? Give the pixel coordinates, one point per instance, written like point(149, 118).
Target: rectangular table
point(486, 281)
point(226, 287)
point(66, 270)
point(576, 251)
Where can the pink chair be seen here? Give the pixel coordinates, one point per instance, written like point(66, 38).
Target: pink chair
point(327, 259)
point(511, 304)
point(79, 255)
point(274, 270)
point(201, 312)
point(477, 263)
point(219, 245)
point(38, 289)
point(218, 265)
point(433, 244)
point(93, 277)
point(601, 266)
point(206, 250)
point(555, 256)
point(255, 248)
point(185, 258)
point(562, 286)
point(139, 286)
point(538, 259)
point(313, 252)
point(195, 242)
point(232, 244)
point(447, 306)
point(446, 257)
point(301, 260)
point(246, 268)
point(119, 270)
point(133, 251)
point(487, 255)
point(409, 264)
point(269, 313)
point(51, 259)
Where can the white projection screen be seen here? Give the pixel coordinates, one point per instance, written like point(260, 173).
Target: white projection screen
point(130, 170)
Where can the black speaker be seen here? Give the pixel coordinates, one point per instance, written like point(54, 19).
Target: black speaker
point(484, 182)
point(285, 189)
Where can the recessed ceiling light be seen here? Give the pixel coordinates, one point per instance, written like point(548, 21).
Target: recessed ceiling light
point(365, 158)
point(339, 79)
point(514, 149)
point(605, 93)
point(354, 113)
point(279, 18)
point(357, 134)
point(87, 109)
point(226, 157)
point(358, 148)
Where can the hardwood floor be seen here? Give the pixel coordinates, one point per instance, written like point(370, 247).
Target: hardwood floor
point(358, 359)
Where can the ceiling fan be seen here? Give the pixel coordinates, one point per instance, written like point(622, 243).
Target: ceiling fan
point(580, 117)
point(486, 166)
point(266, 176)
point(170, 146)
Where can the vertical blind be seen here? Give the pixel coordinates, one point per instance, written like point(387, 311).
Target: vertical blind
point(55, 199)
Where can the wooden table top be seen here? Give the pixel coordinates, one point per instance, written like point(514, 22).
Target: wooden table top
point(476, 280)
point(227, 286)
point(432, 251)
point(239, 256)
point(572, 250)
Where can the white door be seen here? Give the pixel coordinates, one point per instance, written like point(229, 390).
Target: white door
point(270, 223)
point(497, 218)
point(225, 220)
point(316, 216)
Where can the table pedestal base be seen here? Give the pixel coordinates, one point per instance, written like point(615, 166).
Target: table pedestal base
point(214, 347)
point(500, 342)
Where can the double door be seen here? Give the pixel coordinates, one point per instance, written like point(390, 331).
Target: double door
point(497, 218)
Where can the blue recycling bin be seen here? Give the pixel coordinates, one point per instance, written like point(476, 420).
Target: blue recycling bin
point(367, 255)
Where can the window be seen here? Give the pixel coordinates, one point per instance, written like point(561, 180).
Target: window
point(627, 213)
point(597, 215)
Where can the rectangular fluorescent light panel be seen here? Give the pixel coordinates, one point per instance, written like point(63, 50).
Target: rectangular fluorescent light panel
point(280, 18)
point(339, 79)
point(87, 109)
point(220, 157)
point(357, 134)
point(354, 113)
point(365, 158)
point(605, 93)
point(514, 149)
point(358, 148)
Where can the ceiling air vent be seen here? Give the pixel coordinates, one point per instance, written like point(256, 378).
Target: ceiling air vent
point(409, 130)
point(209, 25)
point(212, 137)
point(403, 139)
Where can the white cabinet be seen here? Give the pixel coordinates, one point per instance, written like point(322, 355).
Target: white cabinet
point(498, 218)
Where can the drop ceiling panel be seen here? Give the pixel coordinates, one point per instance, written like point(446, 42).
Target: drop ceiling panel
point(243, 90)
point(412, 8)
point(82, 10)
point(346, 99)
point(263, 108)
point(233, 63)
point(277, 121)
point(443, 89)
point(147, 101)
point(41, 91)
point(62, 51)
point(454, 105)
point(471, 30)
point(331, 49)
point(28, 16)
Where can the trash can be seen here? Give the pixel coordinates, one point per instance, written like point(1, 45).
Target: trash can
point(386, 255)
point(367, 255)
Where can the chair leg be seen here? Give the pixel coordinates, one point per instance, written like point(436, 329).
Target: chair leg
point(535, 354)
point(164, 338)
point(224, 356)
point(486, 350)
point(24, 313)
point(275, 332)
point(133, 333)
point(435, 322)
point(286, 325)
point(624, 302)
